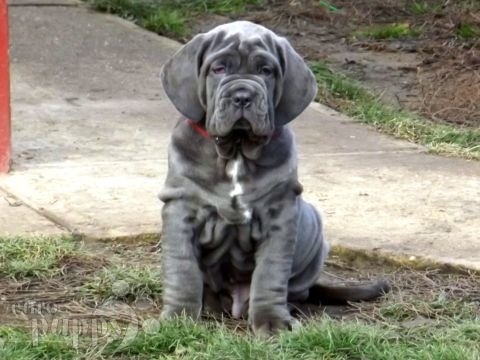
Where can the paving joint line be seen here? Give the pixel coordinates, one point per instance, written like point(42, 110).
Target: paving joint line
point(46, 214)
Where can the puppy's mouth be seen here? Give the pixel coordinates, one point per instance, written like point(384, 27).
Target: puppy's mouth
point(241, 131)
point(242, 124)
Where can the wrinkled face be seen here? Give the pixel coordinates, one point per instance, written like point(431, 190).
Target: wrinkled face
point(242, 81)
point(242, 84)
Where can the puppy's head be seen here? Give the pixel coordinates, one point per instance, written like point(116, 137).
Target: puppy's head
point(241, 80)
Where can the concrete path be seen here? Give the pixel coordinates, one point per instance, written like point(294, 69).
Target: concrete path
point(91, 128)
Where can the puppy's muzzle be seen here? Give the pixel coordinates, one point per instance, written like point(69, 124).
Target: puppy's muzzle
point(242, 99)
point(241, 105)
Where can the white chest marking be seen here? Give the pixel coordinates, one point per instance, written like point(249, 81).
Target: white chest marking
point(238, 189)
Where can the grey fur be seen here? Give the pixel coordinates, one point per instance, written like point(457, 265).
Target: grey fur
point(233, 217)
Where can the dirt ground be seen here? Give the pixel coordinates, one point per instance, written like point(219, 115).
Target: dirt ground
point(436, 73)
point(417, 297)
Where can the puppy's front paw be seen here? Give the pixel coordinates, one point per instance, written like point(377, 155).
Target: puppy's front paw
point(172, 311)
point(267, 323)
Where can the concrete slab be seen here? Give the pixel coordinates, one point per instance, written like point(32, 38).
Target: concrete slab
point(90, 132)
point(322, 130)
point(404, 204)
point(17, 219)
point(392, 198)
point(77, 54)
point(98, 200)
point(91, 129)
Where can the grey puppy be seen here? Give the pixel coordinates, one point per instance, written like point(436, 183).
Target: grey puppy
point(236, 233)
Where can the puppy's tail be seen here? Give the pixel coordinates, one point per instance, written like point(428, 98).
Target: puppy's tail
point(340, 294)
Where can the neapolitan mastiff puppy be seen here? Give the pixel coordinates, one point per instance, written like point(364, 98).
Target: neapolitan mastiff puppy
point(236, 233)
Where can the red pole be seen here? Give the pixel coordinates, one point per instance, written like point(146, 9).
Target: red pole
point(5, 131)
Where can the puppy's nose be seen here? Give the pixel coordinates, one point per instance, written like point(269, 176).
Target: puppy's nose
point(242, 98)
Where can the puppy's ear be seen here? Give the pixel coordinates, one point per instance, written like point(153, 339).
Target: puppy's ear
point(180, 78)
point(299, 84)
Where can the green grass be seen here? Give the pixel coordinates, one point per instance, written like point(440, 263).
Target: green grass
point(17, 344)
point(435, 326)
point(138, 280)
point(389, 31)
point(37, 256)
point(349, 97)
point(423, 8)
point(224, 7)
point(161, 21)
point(467, 31)
point(169, 17)
point(322, 339)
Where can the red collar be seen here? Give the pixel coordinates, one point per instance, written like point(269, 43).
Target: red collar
point(198, 128)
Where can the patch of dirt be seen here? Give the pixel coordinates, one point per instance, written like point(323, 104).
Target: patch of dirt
point(37, 303)
point(436, 73)
point(23, 300)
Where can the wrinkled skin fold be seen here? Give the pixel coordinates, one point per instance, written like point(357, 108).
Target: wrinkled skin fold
point(237, 236)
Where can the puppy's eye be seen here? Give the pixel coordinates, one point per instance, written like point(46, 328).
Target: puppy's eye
point(266, 71)
point(220, 69)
